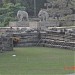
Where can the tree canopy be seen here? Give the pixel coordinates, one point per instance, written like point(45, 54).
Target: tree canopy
point(9, 8)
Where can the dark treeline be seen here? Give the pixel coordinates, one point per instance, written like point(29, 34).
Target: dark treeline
point(29, 4)
point(9, 8)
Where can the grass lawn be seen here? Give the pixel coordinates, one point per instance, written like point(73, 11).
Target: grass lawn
point(36, 61)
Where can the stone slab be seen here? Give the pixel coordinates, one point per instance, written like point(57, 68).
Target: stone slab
point(19, 24)
point(46, 24)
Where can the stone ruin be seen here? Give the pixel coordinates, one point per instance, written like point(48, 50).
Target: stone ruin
point(43, 20)
point(54, 37)
point(6, 43)
point(50, 38)
point(43, 23)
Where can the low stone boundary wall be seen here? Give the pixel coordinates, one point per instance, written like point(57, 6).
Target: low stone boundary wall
point(27, 39)
point(45, 40)
point(6, 44)
point(58, 44)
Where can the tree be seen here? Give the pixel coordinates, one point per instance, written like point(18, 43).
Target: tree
point(64, 7)
point(8, 12)
point(0, 2)
point(29, 4)
point(71, 2)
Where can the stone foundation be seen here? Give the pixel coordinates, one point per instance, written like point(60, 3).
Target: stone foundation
point(19, 24)
point(46, 24)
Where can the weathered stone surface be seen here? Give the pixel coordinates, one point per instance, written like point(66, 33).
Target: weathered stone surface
point(6, 43)
point(19, 24)
point(33, 24)
point(46, 24)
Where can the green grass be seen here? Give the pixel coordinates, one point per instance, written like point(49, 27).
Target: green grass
point(36, 61)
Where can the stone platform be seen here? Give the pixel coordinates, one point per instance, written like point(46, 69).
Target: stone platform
point(46, 24)
point(19, 24)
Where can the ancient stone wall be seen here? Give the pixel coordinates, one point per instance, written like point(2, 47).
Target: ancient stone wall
point(57, 40)
point(6, 44)
point(26, 39)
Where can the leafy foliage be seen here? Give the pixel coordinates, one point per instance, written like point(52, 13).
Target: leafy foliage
point(8, 12)
point(61, 7)
point(9, 8)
